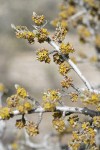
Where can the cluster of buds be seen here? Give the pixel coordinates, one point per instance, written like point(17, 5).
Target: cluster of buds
point(67, 82)
point(66, 48)
point(43, 55)
point(51, 99)
point(23, 32)
point(64, 68)
point(38, 20)
point(60, 33)
point(57, 58)
point(42, 35)
point(21, 92)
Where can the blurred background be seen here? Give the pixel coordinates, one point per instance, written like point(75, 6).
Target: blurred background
point(18, 64)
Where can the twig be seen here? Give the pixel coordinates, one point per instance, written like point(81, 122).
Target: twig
point(79, 110)
point(75, 68)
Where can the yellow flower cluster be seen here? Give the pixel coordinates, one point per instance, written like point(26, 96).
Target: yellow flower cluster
point(42, 35)
point(50, 99)
point(48, 106)
point(52, 95)
point(64, 68)
point(21, 92)
point(12, 101)
point(73, 119)
point(5, 113)
point(39, 20)
point(43, 55)
point(74, 97)
point(57, 58)
point(20, 123)
point(85, 125)
point(32, 129)
point(66, 83)
point(23, 32)
point(66, 48)
point(59, 125)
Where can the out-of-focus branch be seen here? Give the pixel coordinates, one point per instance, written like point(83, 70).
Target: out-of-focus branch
point(80, 13)
point(43, 145)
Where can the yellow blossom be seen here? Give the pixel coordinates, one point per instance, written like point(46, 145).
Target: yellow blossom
point(39, 20)
point(74, 97)
point(32, 129)
point(5, 113)
point(59, 125)
point(21, 92)
point(23, 32)
point(27, 106)
point(85, 125)
point(64, 68)
point(66, 48)
point(57, 58)
point(48, 106)
point(43, 55)
point(52, 95)
point(42, 35)
point(20, 123)
point(67, 82)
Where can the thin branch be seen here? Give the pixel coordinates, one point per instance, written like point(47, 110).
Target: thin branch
point(66, 109)
point(75, 68)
